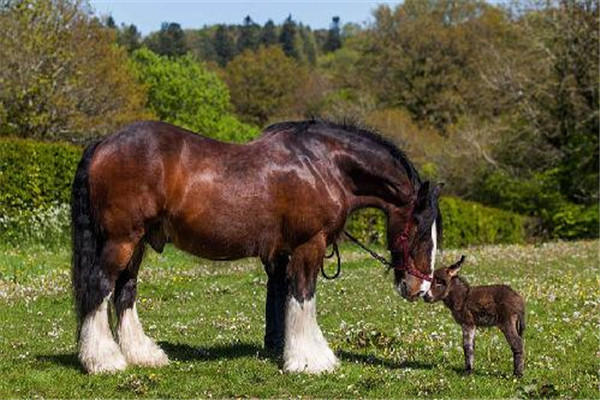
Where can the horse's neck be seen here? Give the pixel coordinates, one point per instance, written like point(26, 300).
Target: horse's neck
point(376, 181)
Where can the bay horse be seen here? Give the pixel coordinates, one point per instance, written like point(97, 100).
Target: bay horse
point(283, 197)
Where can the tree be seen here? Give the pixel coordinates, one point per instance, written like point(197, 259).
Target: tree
point(309, 47)
point(223, 45)
point(183, 92)
point(334, 39)
point(268, 35)
point(169, 41)
point(550, 81)
point(287, 38)
point(129, 37)
point(422, 56)
point(248, 36)
point(263, 83)
point(61, 75)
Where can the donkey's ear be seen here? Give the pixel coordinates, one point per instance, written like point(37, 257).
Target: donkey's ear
point(454, 268)
point(437, 190)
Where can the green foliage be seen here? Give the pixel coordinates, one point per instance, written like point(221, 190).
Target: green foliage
point(224, 45)
point(183, 92)
point(465, 223)
point(169, 41)
point(468, 223)
point(422, 56)
point(48, 227)
point(35, 175)
point(35, 190)
point(540, 197)
point(287, 38)
point(248, 38)
point(263, 83)
point(61, 76)
point(334, 38)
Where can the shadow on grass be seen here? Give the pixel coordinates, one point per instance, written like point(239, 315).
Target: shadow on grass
point(184, 352)
point(66, 360)
point(370, 359)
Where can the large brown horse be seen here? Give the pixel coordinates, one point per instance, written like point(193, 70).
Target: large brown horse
point(283, 197)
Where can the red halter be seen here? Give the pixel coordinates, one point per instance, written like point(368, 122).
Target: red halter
point(402, 242)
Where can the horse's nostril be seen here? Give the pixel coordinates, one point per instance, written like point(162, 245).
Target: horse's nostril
point(421, 293)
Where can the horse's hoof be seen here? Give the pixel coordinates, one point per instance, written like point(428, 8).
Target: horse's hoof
point(145, 354)
point(311, 364)
point(108, 361)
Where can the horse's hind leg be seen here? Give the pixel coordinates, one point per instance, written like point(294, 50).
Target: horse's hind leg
point(305, 349)
point(98, 351)
point(137, 348)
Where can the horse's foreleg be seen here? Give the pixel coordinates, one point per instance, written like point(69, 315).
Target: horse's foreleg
point(306, 349)
point(277, 291)
point(137, 348)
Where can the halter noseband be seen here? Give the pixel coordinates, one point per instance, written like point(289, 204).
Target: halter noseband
point(401, 242)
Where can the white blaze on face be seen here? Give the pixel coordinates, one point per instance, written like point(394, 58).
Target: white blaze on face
point(425, 285)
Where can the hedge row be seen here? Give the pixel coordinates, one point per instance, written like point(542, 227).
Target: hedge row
point(464, 223)
point(36, 176)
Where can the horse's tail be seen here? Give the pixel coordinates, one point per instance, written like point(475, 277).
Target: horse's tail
point(86, 241)
point(521, 322)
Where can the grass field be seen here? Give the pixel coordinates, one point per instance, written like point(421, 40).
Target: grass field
point(209, 319)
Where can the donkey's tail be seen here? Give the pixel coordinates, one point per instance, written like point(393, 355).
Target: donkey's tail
point(86, 241)
point(521, 323)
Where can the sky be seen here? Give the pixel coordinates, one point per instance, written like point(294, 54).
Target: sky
point(148, 15)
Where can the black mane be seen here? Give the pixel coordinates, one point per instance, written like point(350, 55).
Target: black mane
point(353, 127)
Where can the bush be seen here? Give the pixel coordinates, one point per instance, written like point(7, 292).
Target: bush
point(185, 93)
point(470, 223)
point(540, 196)
point(34, 175)
point(61, 76)
point(465, 223)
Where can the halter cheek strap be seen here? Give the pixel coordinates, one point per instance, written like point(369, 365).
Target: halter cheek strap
point(402, 242)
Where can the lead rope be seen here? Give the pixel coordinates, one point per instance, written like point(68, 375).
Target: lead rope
point(336, 252)
point(373, 254)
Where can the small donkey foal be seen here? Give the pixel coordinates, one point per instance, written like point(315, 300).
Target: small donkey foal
point(496, 305)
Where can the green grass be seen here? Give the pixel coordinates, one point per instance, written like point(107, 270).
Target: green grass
point(209, 319)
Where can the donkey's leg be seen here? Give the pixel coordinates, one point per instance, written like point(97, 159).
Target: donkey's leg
point(277, 290)
point(305, 349)
point(98, 351)
point(468, 347)
point(137, 348)
point(516, 345)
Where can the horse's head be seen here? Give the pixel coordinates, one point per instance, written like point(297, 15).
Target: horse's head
point(413, 241)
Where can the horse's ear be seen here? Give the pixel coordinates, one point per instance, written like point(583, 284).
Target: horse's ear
point(437, 190)
point(423, 195)
point(454, 268)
